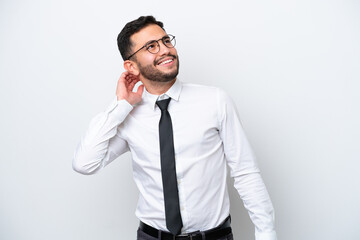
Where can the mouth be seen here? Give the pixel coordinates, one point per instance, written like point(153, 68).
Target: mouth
point(166, 61)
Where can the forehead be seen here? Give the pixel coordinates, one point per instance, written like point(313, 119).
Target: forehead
point(148, 33)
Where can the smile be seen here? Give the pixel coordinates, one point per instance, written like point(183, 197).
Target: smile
point(166, 61)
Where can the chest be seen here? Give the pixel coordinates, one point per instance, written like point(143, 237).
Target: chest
point(195, 129)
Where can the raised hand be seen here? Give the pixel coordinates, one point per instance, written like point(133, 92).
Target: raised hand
point(125, 86)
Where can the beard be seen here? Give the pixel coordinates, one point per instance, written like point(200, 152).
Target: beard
point(151, 73)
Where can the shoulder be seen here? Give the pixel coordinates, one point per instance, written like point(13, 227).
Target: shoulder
point(201, 89)
point(196, 86)
point(212, 92)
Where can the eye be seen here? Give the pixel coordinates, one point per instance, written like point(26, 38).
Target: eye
point(151, 45)
point(167, 40)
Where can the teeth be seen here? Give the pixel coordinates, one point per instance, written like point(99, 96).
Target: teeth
point(167, 61)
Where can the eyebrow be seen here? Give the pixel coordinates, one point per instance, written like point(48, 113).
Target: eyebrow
point(151, 41)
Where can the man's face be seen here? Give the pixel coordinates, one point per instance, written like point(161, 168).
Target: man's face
point(160, 67)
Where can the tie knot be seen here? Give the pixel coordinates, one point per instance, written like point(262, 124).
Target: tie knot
point(163, 104)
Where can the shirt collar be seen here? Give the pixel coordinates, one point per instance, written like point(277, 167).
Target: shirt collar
point(173, 92)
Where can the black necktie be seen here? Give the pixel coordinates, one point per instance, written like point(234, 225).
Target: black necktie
point(168, 172)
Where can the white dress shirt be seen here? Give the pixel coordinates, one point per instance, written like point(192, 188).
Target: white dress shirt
point(207, 136)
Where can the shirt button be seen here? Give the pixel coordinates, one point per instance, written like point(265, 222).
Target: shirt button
point(182, 208)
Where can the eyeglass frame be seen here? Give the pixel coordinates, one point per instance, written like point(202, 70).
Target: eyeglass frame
point(172, 37)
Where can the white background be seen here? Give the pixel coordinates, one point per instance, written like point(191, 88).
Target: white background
point(292, 68)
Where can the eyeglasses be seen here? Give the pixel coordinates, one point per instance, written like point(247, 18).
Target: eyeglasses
point(154, 46)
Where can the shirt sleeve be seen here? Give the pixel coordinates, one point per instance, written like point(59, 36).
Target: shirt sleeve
point(244, 169)
point(101, 144)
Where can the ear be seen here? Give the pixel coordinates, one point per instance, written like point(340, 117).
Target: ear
point(131, 67)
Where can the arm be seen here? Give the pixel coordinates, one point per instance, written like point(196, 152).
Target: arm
point(101, 145)
point(244, 170)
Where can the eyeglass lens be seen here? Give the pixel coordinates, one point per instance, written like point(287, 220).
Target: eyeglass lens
point(154, 47)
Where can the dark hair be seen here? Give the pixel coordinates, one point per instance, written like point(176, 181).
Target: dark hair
point(123, 40)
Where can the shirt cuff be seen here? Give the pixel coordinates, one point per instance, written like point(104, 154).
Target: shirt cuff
point(265, 235)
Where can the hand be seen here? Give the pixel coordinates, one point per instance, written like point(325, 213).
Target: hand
point(125, 86)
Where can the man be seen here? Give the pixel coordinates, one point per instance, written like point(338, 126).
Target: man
point(181, 137)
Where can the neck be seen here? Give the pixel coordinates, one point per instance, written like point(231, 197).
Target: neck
point(157, 88)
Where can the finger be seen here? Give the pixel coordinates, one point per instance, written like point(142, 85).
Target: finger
point(132, 76)
point(131, 79)
point(133, 83)
point(122, 83)
point(123, 77)
point(140, 90)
